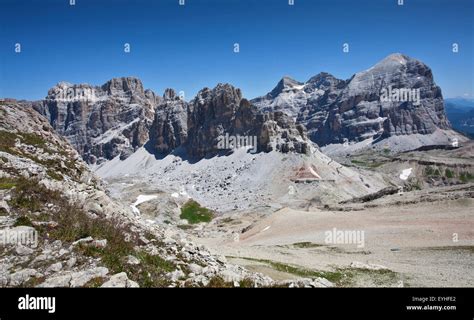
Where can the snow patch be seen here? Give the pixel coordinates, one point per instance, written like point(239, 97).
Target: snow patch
point(140, 199)
point(405, 173)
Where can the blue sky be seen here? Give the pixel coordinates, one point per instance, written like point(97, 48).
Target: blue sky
point(190, 47)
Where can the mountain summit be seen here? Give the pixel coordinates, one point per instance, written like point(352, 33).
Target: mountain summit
point(397, 96)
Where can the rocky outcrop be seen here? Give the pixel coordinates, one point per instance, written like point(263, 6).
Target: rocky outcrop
point(397, 96)
point(301, 101)
point(198, 125)
point(101, 122)
point(170, 125)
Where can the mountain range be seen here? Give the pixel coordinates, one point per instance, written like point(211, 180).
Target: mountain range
point(122, 187)
point(117, 118)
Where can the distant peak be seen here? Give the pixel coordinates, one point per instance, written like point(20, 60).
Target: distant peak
point(395, 59)
point(284, 84)
point(397, 56)
point(289, 82)
point(169, 94)
point(126, 84)
point(321, 77)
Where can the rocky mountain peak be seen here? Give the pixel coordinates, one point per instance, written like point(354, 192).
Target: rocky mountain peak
point(335, 110)
point(128, 85)
point(169, 94)
point(323, 80)
point(101, 122)
point(286, 83)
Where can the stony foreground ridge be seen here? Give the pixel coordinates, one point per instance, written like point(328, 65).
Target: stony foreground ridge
point(335, 111)
point(83, 237)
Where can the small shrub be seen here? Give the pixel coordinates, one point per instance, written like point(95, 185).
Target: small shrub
point(23, 221)
point(54, 175)
point(449, 174)
point(7, 183)
point(466, 177)
point(218, 282)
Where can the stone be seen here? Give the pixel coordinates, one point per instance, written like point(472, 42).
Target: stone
point(23, 250)
point(4, 206)
point(221, 259)
point(132, 260)
point(99, 243)
point(83, 240)
point(55, 267)
point(20, 277)
point(201, 280)
point(62, 281)
point(71, 262)
point(63, 252)
point(176, 275)
point(194, 268)
point(368, 266)
point(120, 280)
point(230, 276)
point(74, 279)
point(321, 283)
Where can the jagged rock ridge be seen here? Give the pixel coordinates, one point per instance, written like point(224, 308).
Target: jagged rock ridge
point(197, 125)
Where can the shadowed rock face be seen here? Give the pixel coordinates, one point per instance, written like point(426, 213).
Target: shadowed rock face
point(101, 122)
point(170, 126)
point(334, 110)
point(213, 113)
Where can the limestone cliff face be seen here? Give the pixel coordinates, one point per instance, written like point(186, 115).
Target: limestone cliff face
point(170, 126)
point(101, 122)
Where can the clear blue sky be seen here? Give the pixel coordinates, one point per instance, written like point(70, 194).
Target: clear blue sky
point(190, 47)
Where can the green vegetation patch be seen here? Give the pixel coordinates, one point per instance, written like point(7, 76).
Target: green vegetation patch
point(333, 276)
point(367, 164)
point(341, 277)
point(7, 183)
point(194, 213)
point(23, 221)
point(466, 177)
point(448, 174)
point(306, 244)
point(54, 175)
point(430, 171)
